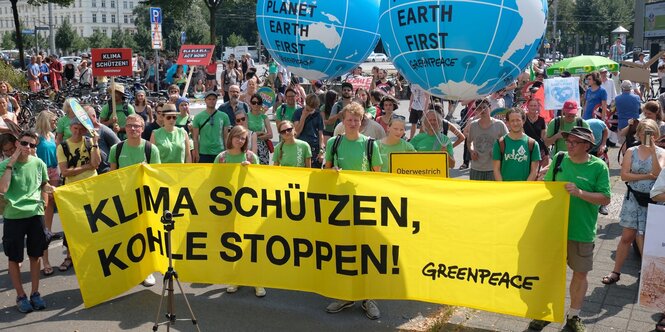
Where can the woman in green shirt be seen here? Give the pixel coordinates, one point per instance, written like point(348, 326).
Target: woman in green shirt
point(62, 131)
point(393, 142)
point(291, 151)
point(258, 122)
point(236, 149)
point(362, 98)
point(172, 142)
point(184, 119)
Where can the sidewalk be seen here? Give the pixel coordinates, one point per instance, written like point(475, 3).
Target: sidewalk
point(606, 308)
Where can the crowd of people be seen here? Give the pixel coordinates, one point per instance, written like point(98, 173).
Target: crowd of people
point(356, 129)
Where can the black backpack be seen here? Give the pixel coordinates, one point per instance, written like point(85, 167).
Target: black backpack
point(147, 149)
point(369, 149)
point(71, 162)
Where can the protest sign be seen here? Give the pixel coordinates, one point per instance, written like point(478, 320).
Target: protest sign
point(559, 90)
point(652, 282)
point(195, 55)
point(111, 62)
point(419, 163)
point(360, 82)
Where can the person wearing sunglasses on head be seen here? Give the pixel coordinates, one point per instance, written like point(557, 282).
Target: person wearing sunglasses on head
point(291, 151)
point(308, 124)
point(259, 123)
point(171, 141)
point(393, 142)
point(24, 183)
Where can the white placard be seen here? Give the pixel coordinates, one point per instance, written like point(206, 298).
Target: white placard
point(559, 90)
point(652, 280)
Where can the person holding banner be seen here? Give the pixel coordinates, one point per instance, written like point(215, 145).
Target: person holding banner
point(291, 151)
point(208, 131)
point(117, 120)
point(658, 194)
point(588, 183)
point(171, 141)
point(393, 142)
point(356, 152)
point(640, 168)
point(24, 183)
point(432, 139)
point(241, 120)
point(515, 155)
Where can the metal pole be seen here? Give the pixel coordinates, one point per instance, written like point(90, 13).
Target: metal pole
point(51, 28)
point(157, 69)
point(556, 13)
point(37, 39)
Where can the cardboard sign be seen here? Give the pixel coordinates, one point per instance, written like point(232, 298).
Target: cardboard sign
point(559, 90)
point(653, 260)
point(82, 115)
point(111, 62)
point(195, 55)
point(420, 163)
point(360, 82)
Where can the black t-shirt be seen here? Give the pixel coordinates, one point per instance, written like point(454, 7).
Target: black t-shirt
point(385, 87)
point(534, 129)
point(147, 132)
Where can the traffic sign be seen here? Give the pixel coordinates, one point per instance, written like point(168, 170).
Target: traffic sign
point(183, 37)
point(28, 32)
point(155, 15)
point(42, 28)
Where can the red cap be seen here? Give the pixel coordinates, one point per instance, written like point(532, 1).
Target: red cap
point(570, 107)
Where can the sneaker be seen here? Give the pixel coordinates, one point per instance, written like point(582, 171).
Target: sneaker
point(338, 306)
point(371, 309)
point(37, 302)
point(575, 324)
point(603, 210)
point(259, 291)
point(538, 325)
point(149, 281)
point(463, 166)
point(23, 305)
point(231, 288)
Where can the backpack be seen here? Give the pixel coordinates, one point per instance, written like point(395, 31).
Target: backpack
point(125, 109)
point(282, 111)
point(68, 154)
point(558, 159)
point(249, 156)
point(147, 149)
point(502, 147)
point(369, 149)
point(444, 127)
point(557, 123)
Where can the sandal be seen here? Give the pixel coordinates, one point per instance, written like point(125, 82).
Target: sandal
point(66, 264)
point(47, 271)
point(660, 326)
point(610, 279)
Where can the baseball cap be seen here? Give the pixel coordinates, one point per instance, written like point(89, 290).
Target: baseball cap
point(581, 133)
point(211, 93)
point(603, 70)
point(570, 107)
point(626, 85)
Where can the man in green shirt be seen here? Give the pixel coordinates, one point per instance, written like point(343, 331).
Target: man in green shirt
point(287, 109)
point(351, 155)
point(24, 183)
point(515, 156)
point(588, 183)
point(208, 129)
point(561, 124)
point(117, 120)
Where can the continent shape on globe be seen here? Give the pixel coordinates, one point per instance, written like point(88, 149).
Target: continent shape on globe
point(319, 39)
point(463, 49)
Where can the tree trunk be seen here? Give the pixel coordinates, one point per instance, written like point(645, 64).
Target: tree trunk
point(19, 34)
point(213, 38)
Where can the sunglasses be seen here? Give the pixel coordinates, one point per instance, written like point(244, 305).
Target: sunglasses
point(400, 117)
point(170, 117)
point(32, 145)
point(287, 130)
point(254, 102)
point(241, 119)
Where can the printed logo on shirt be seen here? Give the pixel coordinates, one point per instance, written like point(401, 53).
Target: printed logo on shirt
point(518, 156)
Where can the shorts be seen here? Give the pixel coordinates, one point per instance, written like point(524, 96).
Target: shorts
point(207, 158)
point(15, 232)
point(580, 256)
point(414, 116)
point(328, 133)
point(151, 79)
point(481, 175)
point(211, 77)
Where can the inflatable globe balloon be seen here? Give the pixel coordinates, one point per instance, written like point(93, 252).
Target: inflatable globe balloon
point(318, 39)
point(462, 50)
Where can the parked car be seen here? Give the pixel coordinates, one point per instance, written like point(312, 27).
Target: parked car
point(380, 57)
point(76, 60)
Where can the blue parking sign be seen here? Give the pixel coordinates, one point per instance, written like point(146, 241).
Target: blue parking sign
point(155, 15)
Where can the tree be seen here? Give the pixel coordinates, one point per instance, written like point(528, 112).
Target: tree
point(65, 38)
point(17, 23)
point(99, 39)
point(122, 39)
point(212, 9)
point(235, 40)
point(194, 24)
point(8, 41)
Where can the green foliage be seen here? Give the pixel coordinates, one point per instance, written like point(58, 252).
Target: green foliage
point(15, 78)
point(194, 24)
point(8, 39)
point(99, 39)
point(234, 40)
point(66, 37)
point(122, 39)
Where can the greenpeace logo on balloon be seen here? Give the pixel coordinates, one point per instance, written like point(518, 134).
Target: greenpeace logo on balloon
point(432, 62)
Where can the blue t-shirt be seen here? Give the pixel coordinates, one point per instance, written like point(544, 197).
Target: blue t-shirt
point(593, 99)
point(310, 130)
point(46, 151)
point(597, 127)
point(628, 107)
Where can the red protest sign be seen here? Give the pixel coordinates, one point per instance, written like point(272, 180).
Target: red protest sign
point(111, 62)
point(360, 82)
point(195, 55)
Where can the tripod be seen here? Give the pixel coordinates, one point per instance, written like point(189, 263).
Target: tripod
point(167, 283)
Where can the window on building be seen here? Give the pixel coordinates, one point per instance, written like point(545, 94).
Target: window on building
point(94, 3)
point(104, 31)
point(103, 3)
point(112, 18)
point(124, 4)
point(103, 18)
point(74, 18)
point(94, 18)
point(131, 5)
point(112, 3)
point(126, 19)
point(81, 18)
point(80, 4)
point(131, 19)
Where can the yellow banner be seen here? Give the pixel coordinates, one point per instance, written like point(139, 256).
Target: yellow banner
point(349, 235)
point(420, 163)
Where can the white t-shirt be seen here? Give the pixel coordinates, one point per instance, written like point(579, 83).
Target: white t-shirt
point(418, 98)
point(611, 90)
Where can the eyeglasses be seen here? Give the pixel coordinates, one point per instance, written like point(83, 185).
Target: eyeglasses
point(133, 126)
point(26, 143)
point(287, 130)
point(574, 143)
point(241, 119)
point(255, 102)
point(170, 117)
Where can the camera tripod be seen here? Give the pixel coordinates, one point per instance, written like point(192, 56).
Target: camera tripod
point(167, 283)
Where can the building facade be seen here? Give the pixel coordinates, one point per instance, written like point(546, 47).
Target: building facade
point(85, 16)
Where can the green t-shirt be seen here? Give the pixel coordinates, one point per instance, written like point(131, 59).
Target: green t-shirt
point(171, 145)
point(256, 122)
point(236, 158)
point(371, 110)
point(515, 162)
point(132, 155)
point(560, 144)
point(385, 150)
point(24, 195)
point(62, 127)
point(592, 176)
point(119, 111)
point(351, 155)
point(293, 155)
point(284, 112)
point(181, 121)
point(426, 142)
point(211, 141)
